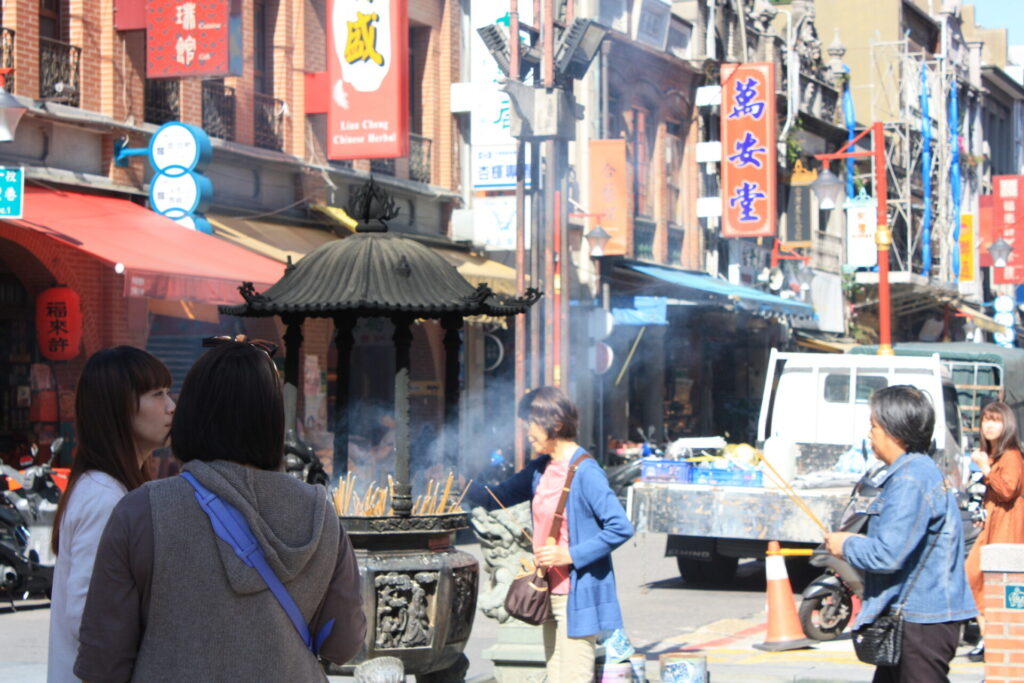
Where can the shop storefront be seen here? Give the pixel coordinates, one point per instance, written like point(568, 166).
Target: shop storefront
point(140, 279)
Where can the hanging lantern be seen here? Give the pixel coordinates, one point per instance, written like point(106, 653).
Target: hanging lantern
point(59, 323)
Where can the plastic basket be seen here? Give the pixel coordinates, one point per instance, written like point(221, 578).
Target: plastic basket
point(665, 470)
point(714, 477)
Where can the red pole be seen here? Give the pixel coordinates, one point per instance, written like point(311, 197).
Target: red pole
point(883, 239)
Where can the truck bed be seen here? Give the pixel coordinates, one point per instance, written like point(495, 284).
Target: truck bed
point(734, 512)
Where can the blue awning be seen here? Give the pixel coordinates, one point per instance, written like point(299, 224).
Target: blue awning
point(722, 291)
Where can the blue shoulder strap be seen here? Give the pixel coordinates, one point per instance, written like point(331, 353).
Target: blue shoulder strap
point(231, 527)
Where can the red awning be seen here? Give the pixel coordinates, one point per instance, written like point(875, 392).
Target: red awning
point(161, 259)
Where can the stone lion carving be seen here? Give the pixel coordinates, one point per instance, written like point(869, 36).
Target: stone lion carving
point(502, 544)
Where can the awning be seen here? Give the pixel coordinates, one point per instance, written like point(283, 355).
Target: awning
point(479, 269)
point(274, 240)
point(713, 291)
point(160, 259)
point(981, 320)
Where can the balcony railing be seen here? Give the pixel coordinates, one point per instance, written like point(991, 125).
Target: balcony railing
point(383, 166)
point(419, 158)
point(7, 56)
point(59, 71)
point(162, 100)
point(269, 122)
point(643, 239)
point(219, 110)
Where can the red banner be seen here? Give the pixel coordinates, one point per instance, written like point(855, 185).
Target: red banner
point(368, 68)
point(748, 150)
point(193, 39)
point(1007, 211)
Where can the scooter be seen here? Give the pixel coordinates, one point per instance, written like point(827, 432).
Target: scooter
point(827, 603)
point(28, 505)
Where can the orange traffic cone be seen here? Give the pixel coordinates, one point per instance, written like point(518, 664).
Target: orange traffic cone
point(784, 630)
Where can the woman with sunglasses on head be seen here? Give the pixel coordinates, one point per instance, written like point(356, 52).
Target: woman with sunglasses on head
point(1002, 465)
point(171, 599)
point(122, 414)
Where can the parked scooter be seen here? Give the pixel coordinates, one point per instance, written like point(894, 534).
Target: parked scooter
point(28, 505)
point(827, 605)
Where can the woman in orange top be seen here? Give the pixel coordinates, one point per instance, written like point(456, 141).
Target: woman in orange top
point(1000, 460)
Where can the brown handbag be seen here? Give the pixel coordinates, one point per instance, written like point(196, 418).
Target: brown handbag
point(528, 598)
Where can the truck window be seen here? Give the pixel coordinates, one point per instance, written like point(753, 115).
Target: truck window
point(867, 385)
point(837, 387)
point(949, 405)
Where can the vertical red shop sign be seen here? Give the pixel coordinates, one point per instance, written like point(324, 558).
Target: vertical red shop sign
point(1007, 212)
point(368, 70)
point(748, 150)
point(193, 39)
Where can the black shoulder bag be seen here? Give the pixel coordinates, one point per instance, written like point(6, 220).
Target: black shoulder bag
point(881, 642)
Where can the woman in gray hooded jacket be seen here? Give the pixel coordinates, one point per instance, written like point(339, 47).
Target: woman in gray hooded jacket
point(170, 601)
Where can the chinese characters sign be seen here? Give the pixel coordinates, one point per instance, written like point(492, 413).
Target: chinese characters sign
point(968, 251)
point(12, 190)
point(609, 195)
point(748, 150)
point(1007, 210)
point(494, 167)
point(59, 323)
point(368, 69)
point(193, 39)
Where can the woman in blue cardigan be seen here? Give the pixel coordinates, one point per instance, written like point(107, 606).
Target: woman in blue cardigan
point(579, 562)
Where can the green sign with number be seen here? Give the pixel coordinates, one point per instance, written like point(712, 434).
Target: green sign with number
point(12, 192)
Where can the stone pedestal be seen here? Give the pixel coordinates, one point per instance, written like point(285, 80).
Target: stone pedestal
point(518, 654)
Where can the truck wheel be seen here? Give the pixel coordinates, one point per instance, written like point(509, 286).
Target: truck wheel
point(720, 570)
point(826, 616)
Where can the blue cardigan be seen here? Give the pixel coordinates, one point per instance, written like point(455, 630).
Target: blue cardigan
point(597, 526)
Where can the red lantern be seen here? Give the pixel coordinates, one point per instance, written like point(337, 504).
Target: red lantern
point(59, 323)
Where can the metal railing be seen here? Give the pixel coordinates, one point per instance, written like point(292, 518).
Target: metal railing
point(643, 238)
point(269, 121)
point(59, 71)
point(419, 158)
point(219, 110)
point(383, 166)
point(7, 56)
point(163, 102)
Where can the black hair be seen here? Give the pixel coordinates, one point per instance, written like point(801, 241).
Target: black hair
point(231, 408)
point(906, 414)
point(550, 408)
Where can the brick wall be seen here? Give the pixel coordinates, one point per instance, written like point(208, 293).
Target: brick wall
point(1003, 565)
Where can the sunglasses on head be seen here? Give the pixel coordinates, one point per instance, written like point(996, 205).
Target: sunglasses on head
point(270, 348)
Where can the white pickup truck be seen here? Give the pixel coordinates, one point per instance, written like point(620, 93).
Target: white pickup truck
point(815, 405)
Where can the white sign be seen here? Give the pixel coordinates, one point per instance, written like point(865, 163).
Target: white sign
point(861, 250)
point(494, 167)
point(494, 222)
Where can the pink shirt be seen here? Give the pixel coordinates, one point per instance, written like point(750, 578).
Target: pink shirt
point(545, 502)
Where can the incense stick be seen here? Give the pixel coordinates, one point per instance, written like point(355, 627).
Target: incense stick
point(502, 505)
point(788, 490)
point(454, 507)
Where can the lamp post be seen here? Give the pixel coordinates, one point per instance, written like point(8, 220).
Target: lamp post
point(1000, 252)
point(883, 235)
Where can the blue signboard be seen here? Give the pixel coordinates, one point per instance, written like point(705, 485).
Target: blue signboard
point(12, 192)
point(1014, 597)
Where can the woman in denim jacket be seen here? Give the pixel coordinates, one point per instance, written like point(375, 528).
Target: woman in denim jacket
point(913, 510)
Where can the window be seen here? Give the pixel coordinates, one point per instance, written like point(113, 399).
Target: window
point(50, 19)
point(640, 143)
point(837, 387)
point(263, 49)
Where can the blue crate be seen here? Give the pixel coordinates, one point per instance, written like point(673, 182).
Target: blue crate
point(715, 477)
point(674, 471)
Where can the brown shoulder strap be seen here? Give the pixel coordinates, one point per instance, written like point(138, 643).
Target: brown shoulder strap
point(559, 518)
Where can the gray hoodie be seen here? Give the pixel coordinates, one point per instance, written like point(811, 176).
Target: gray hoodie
point(204, 614)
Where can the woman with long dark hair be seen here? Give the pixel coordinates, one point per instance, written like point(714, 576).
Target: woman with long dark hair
point(1000, 460)
point(122, 414)
point(171, 598)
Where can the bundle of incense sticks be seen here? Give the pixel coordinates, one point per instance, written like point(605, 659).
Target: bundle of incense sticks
point(781, 482)
point(378, 501)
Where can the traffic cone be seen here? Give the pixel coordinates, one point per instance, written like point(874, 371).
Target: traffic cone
point(784, 630)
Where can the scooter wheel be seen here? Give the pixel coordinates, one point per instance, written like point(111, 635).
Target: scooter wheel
point(826, 616)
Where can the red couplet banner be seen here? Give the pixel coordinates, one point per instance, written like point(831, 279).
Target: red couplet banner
point(748, 150)
point(368, 69)
point(1007, 212)
point(193, 39)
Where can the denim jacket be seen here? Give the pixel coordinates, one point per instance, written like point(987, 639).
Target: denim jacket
point(913, 509)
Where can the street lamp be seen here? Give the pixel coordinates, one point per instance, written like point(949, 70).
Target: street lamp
point(578, 47)
point(1000, 252)
point(11, 111)
point(883, 235)
point(828, 188)
point(597, 239)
